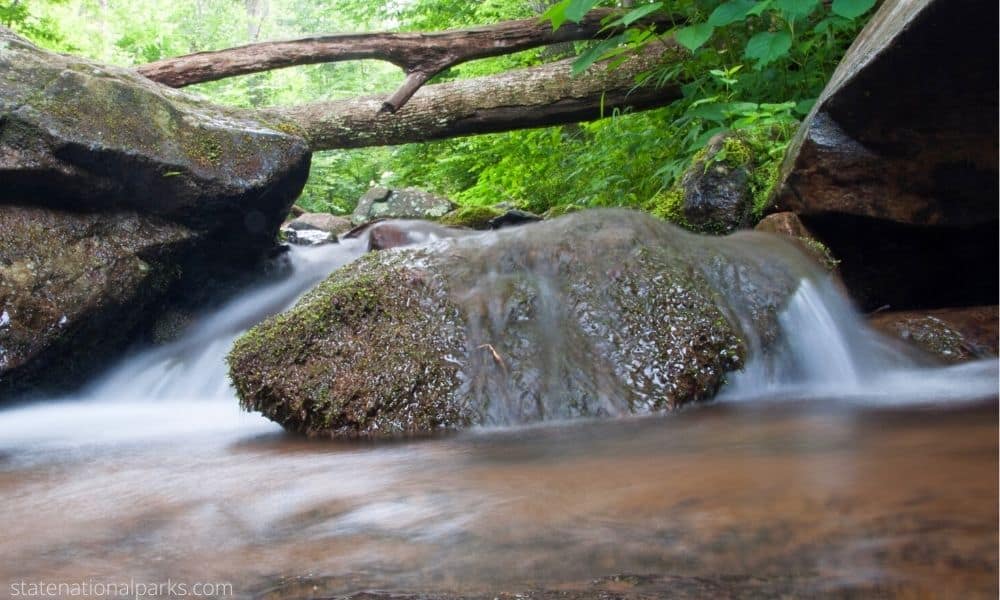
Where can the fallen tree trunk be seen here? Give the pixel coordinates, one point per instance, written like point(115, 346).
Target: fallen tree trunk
point(518, 99)
point(420, 55)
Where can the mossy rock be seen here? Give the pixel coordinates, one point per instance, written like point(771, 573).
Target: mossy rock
point(73, 285)
point(86, 136)
point(114, 188)
point(599, 313)
point(473, 217)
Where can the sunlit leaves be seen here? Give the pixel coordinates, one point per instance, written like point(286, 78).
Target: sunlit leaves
point(730, 12)
point(851, 9)
point(693, 37)
point(796, 9)
point(768, 46)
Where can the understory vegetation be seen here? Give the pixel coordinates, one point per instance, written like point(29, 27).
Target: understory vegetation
point(755, 67)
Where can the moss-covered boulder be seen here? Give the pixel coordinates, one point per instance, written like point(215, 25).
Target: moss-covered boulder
point(595, 314)
point(473, 217)
point(727, 185)
point(112, 187)
point(406, 203)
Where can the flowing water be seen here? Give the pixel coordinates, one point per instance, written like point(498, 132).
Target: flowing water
point(834, 465)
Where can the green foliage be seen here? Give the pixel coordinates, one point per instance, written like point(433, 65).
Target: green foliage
point(754, 66)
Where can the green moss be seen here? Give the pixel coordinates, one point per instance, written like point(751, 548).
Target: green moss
point(206, 149)
point(822, 253)
point(560, 210)
point(669, 205)
point(473, 217)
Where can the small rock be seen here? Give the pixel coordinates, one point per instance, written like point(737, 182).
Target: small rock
point(717, 197)
point(321, 222)
point(951, 334)
point(512, 218)
point(406, 203)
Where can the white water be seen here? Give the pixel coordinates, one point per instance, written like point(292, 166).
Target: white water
point(177, 391)
point(181, 391)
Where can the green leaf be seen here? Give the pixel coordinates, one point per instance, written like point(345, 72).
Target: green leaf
point(635, 14)
point(768, 46)
point(796, 9)
point(851, 9)
point(594, 54)
point(694, 36)
point(759, 8)
point(578, 8)
point(556, 14)
point(730, 12)
point(804, 106)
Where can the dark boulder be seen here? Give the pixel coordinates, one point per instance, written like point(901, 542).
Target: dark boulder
point(114, 187)
point(594, 314)
point(895, 168)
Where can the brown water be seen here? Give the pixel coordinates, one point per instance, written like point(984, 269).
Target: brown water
point(732, 499)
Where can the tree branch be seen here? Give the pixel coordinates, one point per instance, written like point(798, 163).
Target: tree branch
point(420, 55)
point(517, 99)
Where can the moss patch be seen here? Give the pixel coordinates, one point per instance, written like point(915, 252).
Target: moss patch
point(473, 217)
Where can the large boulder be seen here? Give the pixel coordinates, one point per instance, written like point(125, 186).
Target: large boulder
point(407, 203)
point(113, 188)
point(895, 168)
point(593, 314)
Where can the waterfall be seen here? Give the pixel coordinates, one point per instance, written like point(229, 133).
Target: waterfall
point(823, 349)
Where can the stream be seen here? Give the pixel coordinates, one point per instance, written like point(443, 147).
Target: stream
point(838, 466)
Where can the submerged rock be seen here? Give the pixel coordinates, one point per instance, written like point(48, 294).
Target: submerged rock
point(114, 187)
point(407, 203)
point(599, 313)
point(952, 335)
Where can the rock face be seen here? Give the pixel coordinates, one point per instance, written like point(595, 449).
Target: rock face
point(113, 187)
point(895, 169)
point(594, 314)
point(407, 203)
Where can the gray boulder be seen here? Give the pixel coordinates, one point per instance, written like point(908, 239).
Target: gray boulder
point(115, 190)
point(407, 203)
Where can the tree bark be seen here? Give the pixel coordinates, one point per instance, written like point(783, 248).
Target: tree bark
point(518, 99)
point(420, 55)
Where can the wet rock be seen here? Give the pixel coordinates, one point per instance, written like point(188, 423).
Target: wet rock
point(114, 189)
point(406, 203)
point(716, 193)
point(72, 283)
point(599, 313)
point(895, 168)
point(952, 334)
point(790, 225)
point(308, 237)
point(906, 129)
point(387, 235)
point(320, 222)
point(513, 217)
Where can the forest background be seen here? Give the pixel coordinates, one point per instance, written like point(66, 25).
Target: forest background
point(755, 68)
